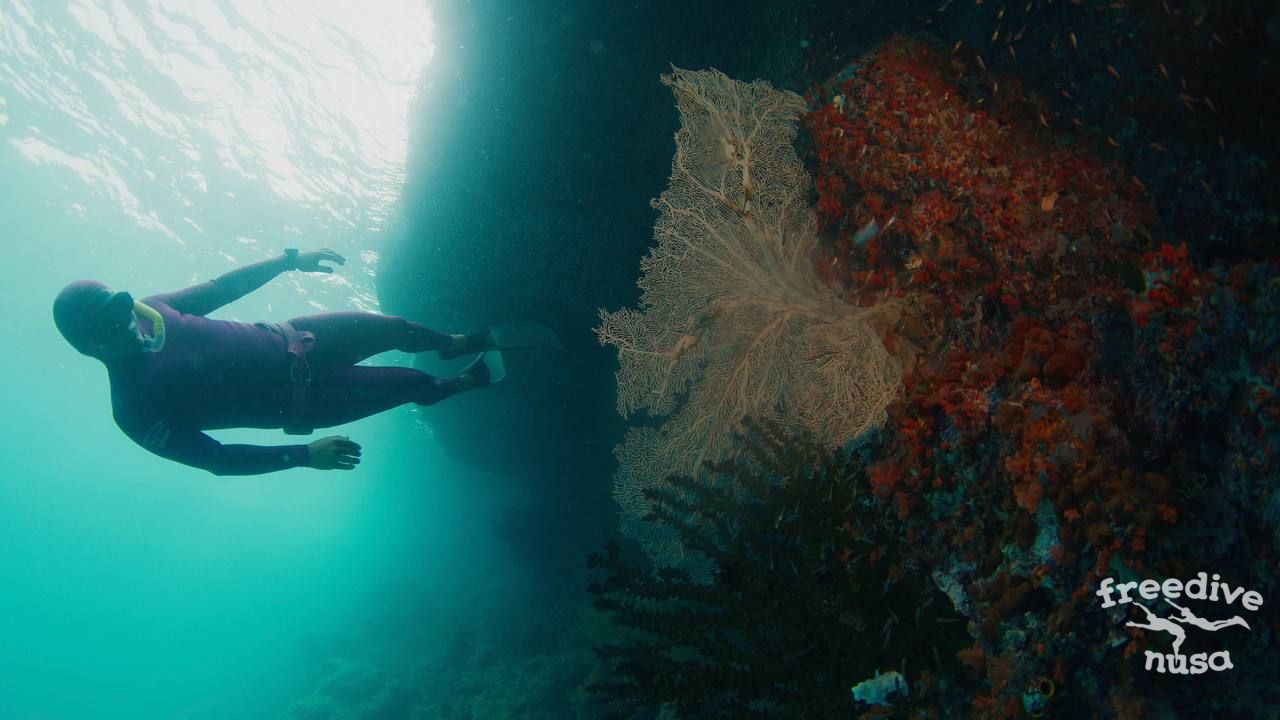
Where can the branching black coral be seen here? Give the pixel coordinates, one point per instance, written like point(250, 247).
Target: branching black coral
point(813, 590)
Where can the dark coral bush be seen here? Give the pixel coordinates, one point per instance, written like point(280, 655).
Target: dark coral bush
point(813, 589)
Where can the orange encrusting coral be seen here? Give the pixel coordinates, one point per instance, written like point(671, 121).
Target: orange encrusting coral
point(1005, 245)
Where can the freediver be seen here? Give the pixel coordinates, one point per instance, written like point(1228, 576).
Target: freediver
point(1187, 617)
point(175, 372)
point(1160, 624)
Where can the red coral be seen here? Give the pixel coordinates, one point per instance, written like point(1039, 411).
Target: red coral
point(1004, 245)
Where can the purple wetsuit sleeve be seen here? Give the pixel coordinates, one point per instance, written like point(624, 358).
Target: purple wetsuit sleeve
point(196, 449)
point(206, 297)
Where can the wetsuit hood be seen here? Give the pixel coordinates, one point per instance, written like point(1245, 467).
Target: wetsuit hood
point(79, 309)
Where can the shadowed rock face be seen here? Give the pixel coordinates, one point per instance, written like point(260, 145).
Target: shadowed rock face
point(540, 137)
point(538, 417)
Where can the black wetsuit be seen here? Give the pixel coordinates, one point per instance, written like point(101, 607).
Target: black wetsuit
point(213, 374)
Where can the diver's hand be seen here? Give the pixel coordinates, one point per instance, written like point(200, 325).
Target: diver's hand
point(335, 452)
point(310, 261)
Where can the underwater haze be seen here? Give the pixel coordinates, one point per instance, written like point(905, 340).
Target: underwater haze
point(152, 145)
point(867, 356)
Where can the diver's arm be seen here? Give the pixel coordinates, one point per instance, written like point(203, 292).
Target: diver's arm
point(196, 449)
point(206, 297)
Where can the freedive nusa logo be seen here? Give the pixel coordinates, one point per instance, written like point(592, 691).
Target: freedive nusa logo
point(1182, 618)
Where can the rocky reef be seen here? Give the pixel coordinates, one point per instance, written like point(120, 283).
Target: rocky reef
point(1088, 393)
point(1086, 396)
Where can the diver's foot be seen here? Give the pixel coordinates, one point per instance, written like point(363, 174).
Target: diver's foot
point(477, 341)
point(485, 370)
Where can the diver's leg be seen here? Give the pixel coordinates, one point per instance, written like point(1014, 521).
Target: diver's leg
point(346, 393)
point(346, 338)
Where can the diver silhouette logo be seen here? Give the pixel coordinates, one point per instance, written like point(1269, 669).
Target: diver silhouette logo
point(1176, 624)
point(1211, 625)
point(1157, 623)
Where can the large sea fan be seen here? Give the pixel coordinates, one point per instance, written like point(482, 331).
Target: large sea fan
point(734, 321)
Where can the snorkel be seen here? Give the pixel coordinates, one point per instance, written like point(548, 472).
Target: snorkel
point(155, 341)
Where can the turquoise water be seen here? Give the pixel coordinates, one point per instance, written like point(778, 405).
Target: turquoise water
point(487, 160)
point(151, 145)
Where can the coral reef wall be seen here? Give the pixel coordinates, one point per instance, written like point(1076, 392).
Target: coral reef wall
point(1086, 399)
point(1075, 216)
point(1068, 409)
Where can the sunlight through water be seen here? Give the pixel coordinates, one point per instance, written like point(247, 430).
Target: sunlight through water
point(223, 127)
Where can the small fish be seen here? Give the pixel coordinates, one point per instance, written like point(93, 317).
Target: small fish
point(1209, 104)
point(1000, 14)
point(982, 64)
point(955, 47)
point(1043, 121)
point(1012, 54)
point(1163, 70)
point(1074, 44)
point(868, 231)
point(1157, 147)
point(1112, 142)
point(1114, 73)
